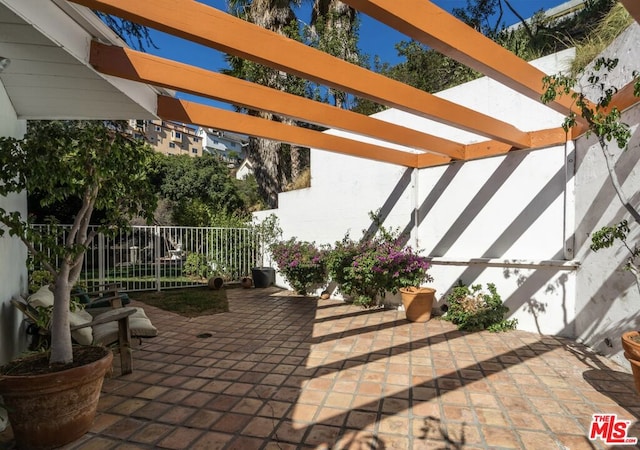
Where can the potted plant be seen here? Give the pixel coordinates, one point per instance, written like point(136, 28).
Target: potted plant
point(96, 166)
point(603, 120)
point(631, 346)
point(268, 232)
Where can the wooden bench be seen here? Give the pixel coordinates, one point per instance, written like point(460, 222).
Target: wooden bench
point(101, 296)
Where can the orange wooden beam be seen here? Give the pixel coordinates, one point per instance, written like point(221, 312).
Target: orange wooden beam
point(427, 23)
point(173, 109)
point(539, 139)
point(143, 67)
point(549, 137)
point(208, 26)
point(485, 149)
point(425, 160)
point(633, 6)
point(623, 99)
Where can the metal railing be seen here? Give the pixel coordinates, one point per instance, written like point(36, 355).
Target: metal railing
point(164, 257)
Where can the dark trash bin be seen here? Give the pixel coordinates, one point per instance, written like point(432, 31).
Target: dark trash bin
point(263, 276)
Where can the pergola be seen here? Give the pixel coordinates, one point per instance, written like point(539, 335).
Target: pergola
point(419, 19)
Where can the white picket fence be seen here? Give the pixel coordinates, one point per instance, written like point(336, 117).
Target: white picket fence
point(158, 257)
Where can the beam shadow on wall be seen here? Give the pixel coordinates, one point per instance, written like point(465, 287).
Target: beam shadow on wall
point(553, 189)
point(429, 202)
point(392, 199)
point(478, 202)
point(606, 195)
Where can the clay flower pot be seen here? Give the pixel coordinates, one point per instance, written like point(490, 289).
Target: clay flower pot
point(631, 346)
point(246, 282)
point(53, 409)
point(215, 283)
point(418, 303)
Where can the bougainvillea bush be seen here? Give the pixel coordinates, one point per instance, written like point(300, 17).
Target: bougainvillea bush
point(301, 263)
point(368, 268)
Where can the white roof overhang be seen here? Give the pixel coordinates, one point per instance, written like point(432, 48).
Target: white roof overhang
point(49, 76)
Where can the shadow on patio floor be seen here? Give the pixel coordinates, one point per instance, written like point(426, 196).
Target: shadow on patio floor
point(285, 372)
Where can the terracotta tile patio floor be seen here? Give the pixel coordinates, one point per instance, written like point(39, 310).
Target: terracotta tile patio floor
point(284, 372)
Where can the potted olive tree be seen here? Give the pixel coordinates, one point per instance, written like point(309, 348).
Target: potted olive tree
point(268, 233)
point(97, 166)
point(604, 121)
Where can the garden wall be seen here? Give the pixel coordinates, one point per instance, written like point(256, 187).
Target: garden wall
point(502, 220)
point(607, 296)
point(13, 274)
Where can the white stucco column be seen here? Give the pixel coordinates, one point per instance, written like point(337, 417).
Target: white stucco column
point(13, 276)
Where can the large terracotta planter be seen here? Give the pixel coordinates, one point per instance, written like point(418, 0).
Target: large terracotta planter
point(418, 303)
point(54, 409)
point(632, 353)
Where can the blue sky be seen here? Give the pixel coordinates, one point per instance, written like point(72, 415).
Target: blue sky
point(375, 38)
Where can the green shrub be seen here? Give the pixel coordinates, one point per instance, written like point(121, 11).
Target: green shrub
point(39, 278)
point(196, 265)
point(368, 268)
point(473, 309)
point(301, 263)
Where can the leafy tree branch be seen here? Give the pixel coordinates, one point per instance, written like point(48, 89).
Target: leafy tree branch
point(604, 121)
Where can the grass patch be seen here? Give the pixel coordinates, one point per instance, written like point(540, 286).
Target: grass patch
point(191, 302)
point(612, 25)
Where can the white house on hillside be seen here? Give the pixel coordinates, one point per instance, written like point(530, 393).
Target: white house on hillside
point(245, 169)
point(229, 146)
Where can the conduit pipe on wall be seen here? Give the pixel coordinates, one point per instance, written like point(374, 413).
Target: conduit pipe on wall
point(569, 205)
point(416, 208)
point(558, 264)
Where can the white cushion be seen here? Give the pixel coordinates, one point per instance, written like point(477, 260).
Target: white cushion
point(139, 325)
point(83, 336)
point(42, 297)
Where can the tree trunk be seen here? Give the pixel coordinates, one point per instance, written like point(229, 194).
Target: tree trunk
point(613, 177)
point(61, 350)
point(265, 158)
point(297, 162)
point(336, 36)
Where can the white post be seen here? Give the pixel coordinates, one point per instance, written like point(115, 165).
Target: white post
point(156, 255)
point(101, 261)
point(569, 200)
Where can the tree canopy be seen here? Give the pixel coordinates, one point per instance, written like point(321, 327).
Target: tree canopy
point(200, 191)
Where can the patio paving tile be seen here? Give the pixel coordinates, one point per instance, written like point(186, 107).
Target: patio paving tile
point(321, 374)
point(123, 428)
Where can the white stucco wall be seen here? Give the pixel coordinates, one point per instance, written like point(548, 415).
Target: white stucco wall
point(13, 273)
point(501, 220)
point(608, 297)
